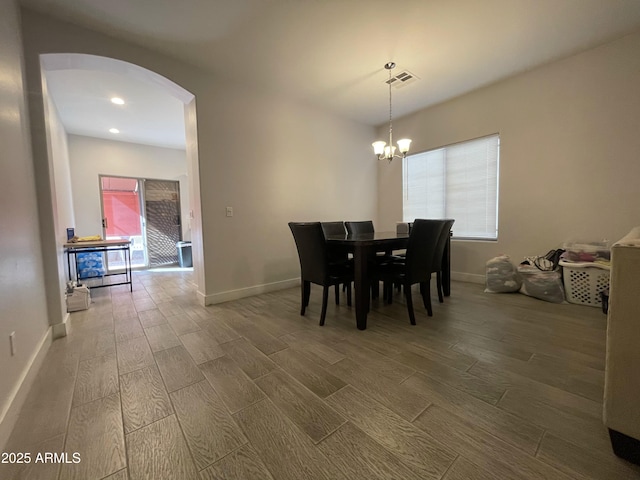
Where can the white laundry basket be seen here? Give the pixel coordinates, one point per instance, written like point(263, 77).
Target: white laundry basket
point(584, 281)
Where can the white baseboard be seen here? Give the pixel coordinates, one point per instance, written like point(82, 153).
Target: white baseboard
point(468, 277)
point(18, 395)
point(61, 329)
point(202, 298)
point(229, 295)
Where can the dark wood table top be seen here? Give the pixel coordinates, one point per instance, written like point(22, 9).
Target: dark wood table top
point(367, 238)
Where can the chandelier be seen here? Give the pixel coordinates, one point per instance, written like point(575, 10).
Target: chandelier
point(380, 148)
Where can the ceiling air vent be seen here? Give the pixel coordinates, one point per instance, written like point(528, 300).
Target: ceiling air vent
point(402, 79)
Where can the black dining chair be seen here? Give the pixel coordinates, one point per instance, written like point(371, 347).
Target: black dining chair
point(416, 267)
point(439, 254)
point(337, 253)
point(366, 226)
point(333, 228)
point(359, 227)
point(316, 267)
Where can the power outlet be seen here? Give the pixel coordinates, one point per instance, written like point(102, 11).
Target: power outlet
point(12, 343)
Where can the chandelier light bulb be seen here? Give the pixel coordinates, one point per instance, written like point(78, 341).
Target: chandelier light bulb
point(378, 147)
point(404, 144)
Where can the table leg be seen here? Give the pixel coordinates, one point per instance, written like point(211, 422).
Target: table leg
point(129, 275)
point(446, 268)
point(69, 265)
point(361, 284)
point(75, 261)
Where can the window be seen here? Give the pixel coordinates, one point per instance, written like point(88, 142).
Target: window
point(458, 181)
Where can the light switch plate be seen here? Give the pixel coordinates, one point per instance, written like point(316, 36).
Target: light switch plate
point(229, 211)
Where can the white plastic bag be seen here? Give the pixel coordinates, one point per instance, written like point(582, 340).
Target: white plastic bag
point(544, 285)
point(501, 276)
point(78, 299)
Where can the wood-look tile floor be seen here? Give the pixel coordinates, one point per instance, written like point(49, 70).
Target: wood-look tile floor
point(150, 385)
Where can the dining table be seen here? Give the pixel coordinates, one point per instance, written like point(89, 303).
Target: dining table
point(363, 246)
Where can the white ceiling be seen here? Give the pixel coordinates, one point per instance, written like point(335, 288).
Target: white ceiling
point(149, 116)
point(331, 53)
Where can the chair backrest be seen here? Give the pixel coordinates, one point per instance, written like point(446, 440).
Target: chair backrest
point(333, 228)
point(359, 227)
point(312, 251)
point(421, 248)
point(335, 253)
point(442, 242)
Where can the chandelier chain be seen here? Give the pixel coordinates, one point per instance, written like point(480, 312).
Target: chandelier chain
point(390, 113)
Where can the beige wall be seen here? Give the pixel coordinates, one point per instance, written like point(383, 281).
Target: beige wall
point(22, 291)
point(271, 159)
point(91, 157)
point(63, 217)
point(61, 170)
point(569, 159)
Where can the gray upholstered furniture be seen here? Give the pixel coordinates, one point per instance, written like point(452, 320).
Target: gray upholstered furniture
point(622, 374)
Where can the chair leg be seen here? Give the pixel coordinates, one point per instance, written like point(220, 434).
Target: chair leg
point(325, 300)
point(426, 296)
point(389, 293)
point(407, 292)
point(348, 286)
point(307, 294)
point(375, 289)
point(337, 289)
point(305, 290)
point(439, 286)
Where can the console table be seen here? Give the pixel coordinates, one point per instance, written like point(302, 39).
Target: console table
point(101, 246)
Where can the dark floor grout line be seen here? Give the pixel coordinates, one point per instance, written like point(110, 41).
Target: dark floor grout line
point(429, 405)
point(330, 434)
point(124, 431)
point(184, 436)
point(501, 397)
point(471, 366)
point(248, 443)
point(544, 433)
point(443, 477)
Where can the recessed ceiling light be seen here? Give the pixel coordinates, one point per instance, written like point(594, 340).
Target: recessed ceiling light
point(117, 101)
point(114, 130)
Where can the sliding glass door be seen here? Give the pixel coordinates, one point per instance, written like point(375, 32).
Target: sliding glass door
point(145, 211)
point(122, 217)
point(162, 214)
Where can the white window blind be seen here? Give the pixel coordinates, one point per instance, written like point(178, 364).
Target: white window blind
point(459, 181)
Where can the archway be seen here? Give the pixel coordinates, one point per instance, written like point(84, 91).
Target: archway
point(59, 187)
